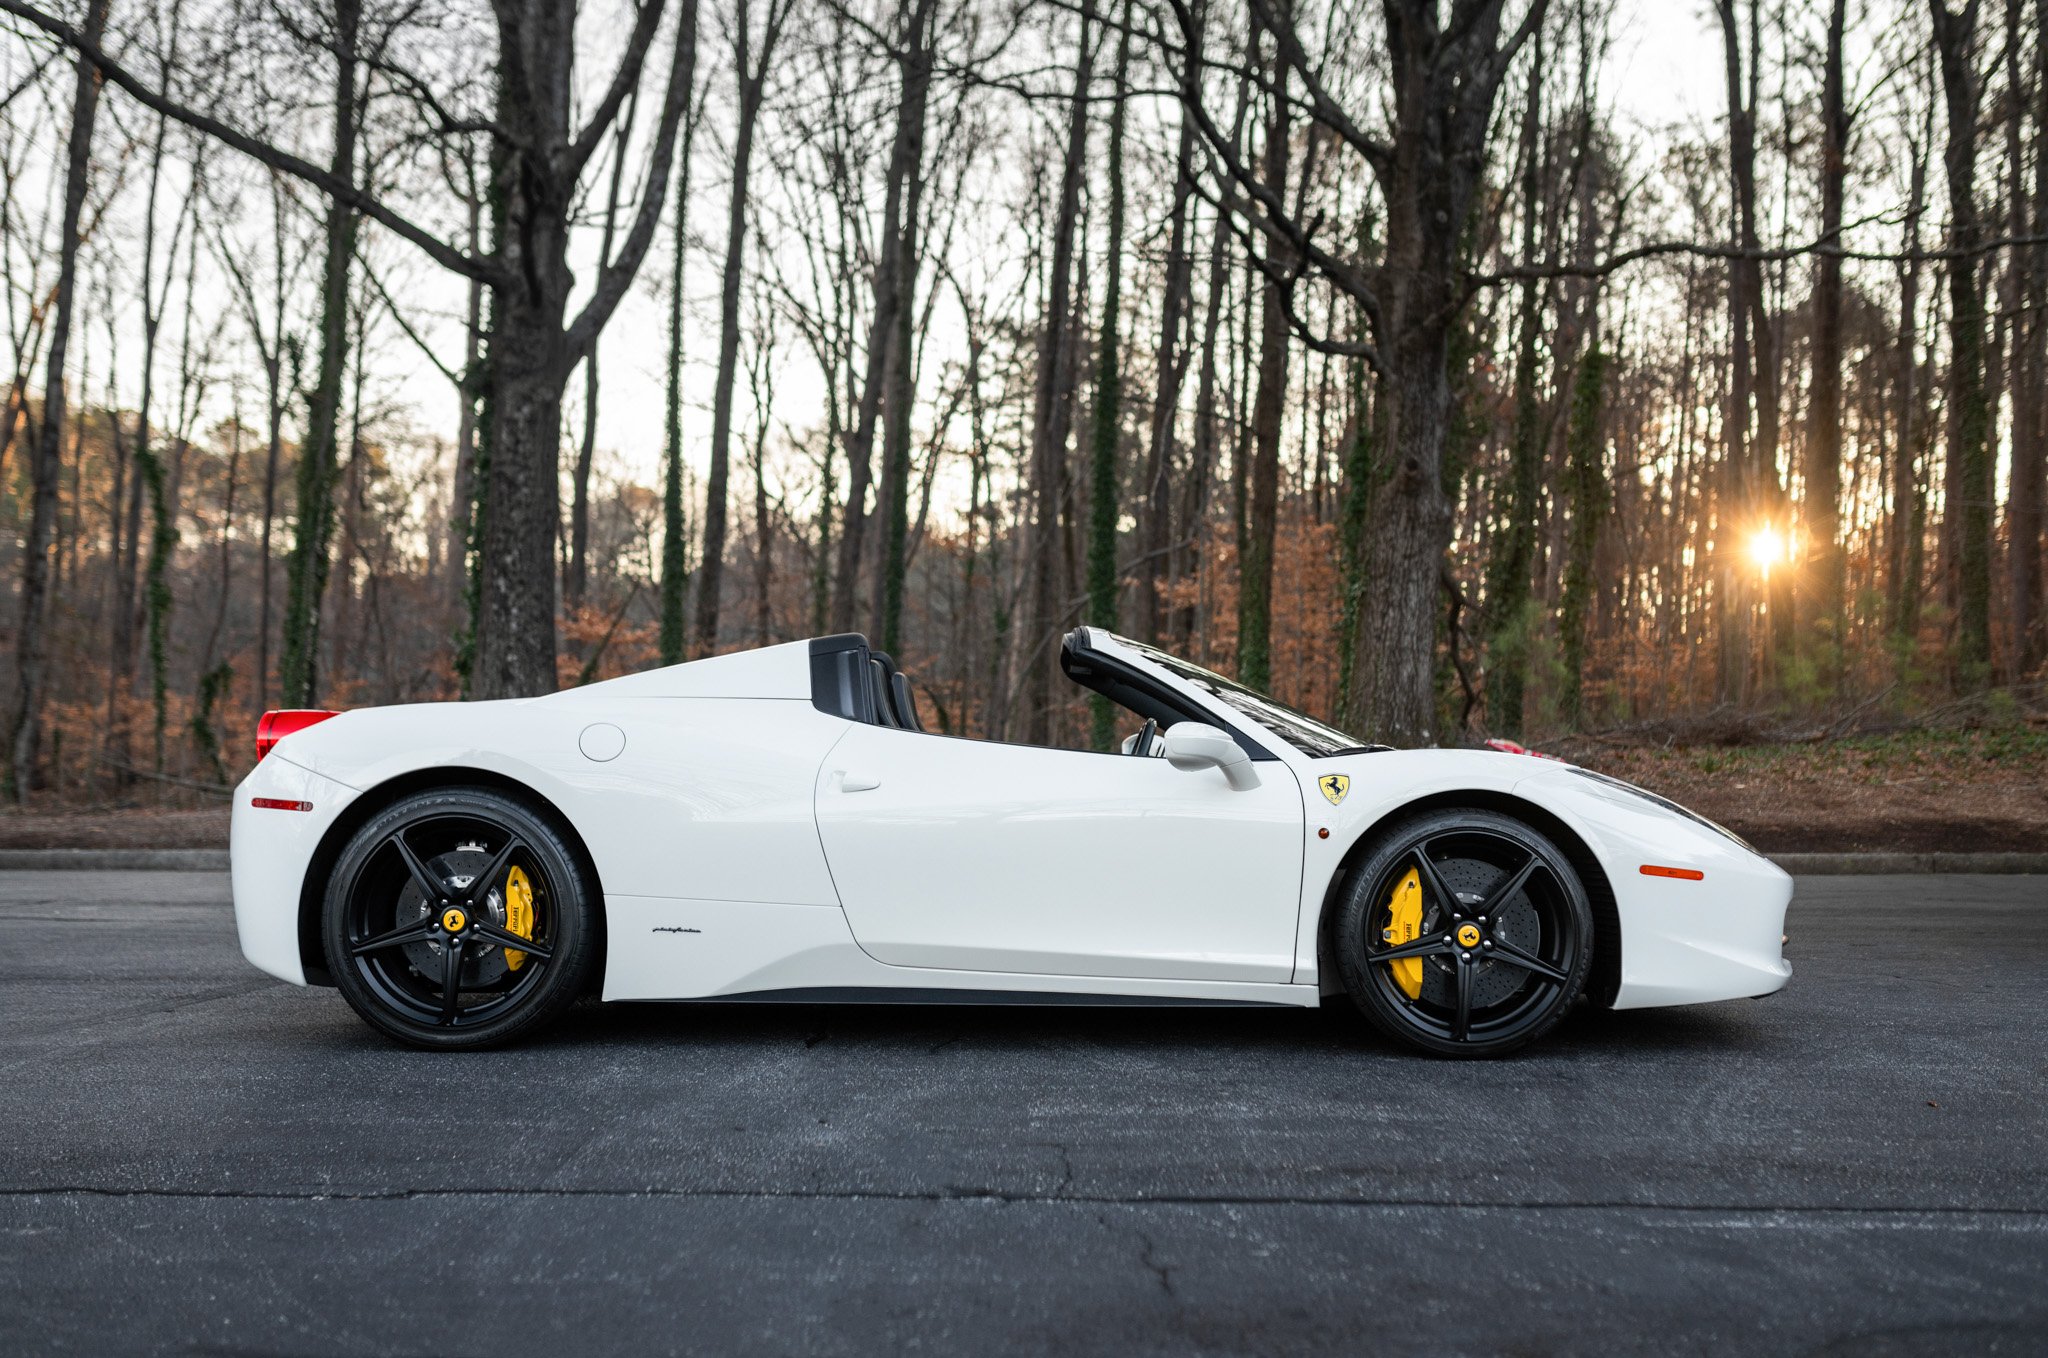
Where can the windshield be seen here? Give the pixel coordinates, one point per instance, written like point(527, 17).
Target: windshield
point(1298, 729)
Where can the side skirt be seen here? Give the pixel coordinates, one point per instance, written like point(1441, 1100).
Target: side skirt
point(942, 995)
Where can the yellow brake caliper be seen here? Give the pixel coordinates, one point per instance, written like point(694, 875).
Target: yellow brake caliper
point(519, 914)
point(1404, 916)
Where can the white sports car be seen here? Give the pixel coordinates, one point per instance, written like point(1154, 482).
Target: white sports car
point(779, 825)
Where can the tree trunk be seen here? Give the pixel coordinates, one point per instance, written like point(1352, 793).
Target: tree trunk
point(531, 350)
point(1255, 566)
point(1586, 478)
point(462, 538)
point(1208, 433)
point(675, 562)
point(575, 579)
point(1048, 425)
point(1444, 89)
point(1172, 361)
point(1395, 697)
point(1969, 415)
point(1360, 476)
point(1736, 510)
point(899, 374)
point(1903, 577)
point(306, 572)
point(1507, 594)
point(33, 655)
point(1103, 513)
point(516, 617)
point(273, 452)
point(2030, 352)
point(882, 337)
point(753, 77)
point(1823, 472)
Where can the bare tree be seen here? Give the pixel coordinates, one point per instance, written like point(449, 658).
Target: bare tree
point(1103, 514)
point(899, 368)
point(33, 656)
point(1444, 78)
point(1969, 414)
point(675, 564)
point(306, 573)
point(2026, 497)
point(1050, 411)
point(891, 299)
point(264, 318)
point(1171, 359)
point(752, 69)
point(575, 578)
point(1823, 462)
point(1262, 504)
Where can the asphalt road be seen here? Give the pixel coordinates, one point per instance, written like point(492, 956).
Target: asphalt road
point(196, 1159)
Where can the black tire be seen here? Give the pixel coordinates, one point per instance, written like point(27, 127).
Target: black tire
point(448, 857)
point(1504, 942)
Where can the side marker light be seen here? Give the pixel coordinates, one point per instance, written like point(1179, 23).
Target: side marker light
point(1682, 874)
point(279, 804)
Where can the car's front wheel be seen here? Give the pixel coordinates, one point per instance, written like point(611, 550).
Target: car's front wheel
point(1464, 933)
point(459, 918)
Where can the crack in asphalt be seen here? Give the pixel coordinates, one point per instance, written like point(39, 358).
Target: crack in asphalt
point(1158, 1270)
point(988, 1195)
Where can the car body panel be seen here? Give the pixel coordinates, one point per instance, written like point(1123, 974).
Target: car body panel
point(269, 850)
point(1016, 858)
point(712, 799)
point(1683, 942)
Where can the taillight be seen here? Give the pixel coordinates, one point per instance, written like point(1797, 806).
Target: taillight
point(275, 726)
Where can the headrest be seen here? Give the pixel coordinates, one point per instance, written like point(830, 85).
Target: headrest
point(906, 703)
point(885, 712)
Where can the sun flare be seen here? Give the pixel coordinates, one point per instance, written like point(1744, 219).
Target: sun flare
point(1766, 548)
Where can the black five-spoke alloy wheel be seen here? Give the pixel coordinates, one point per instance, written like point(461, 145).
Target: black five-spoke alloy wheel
point(458, 918)
point(1465, 933)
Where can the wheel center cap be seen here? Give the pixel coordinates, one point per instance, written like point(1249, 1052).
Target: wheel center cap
point(453, 920)
point(1468, 935)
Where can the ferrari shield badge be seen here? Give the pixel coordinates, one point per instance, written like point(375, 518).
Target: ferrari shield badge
point(1334, 786)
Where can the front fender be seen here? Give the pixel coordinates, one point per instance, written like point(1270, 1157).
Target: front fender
point(1685, 940)
point(1682, 941)
point(1383, 785)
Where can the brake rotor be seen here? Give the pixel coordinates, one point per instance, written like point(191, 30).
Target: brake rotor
point(1472, 880)
point(483, 964)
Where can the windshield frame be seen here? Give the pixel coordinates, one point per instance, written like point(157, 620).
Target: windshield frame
point(1297, 729)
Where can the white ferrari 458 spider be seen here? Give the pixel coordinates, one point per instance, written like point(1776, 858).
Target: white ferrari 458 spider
point(779, 824)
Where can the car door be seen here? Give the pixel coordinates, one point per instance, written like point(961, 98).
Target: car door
point(979, 856)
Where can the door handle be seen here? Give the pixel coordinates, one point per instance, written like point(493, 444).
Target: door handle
point(854, 782)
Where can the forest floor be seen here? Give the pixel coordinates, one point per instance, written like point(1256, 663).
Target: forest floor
point(1957, 791)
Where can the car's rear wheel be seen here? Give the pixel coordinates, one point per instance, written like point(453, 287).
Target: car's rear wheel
point(1464, 933)
point(459, 918)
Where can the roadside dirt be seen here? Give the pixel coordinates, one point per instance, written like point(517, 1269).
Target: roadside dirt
point(117, 828)
point(1938, 792)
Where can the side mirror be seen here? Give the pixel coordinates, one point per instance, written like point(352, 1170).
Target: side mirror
point(1191, 745)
